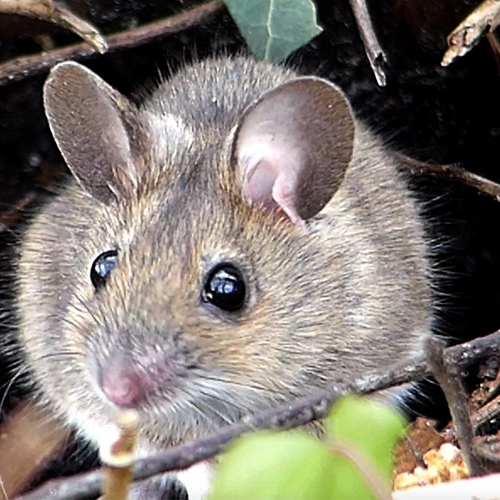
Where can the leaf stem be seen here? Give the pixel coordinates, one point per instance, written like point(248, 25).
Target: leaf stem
point(381, 491)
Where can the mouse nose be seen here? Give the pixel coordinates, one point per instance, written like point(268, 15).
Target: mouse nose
point(122, 383)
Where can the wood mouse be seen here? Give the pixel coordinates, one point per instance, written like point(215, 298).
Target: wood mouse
point(235, 241)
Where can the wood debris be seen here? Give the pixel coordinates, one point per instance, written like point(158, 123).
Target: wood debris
point(443, 465)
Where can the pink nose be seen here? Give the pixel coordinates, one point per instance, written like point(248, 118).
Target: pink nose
point(122, 384)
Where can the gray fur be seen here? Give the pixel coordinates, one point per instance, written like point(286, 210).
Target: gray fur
point(349, 295)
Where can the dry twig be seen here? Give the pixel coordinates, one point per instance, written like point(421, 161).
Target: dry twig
point(119, 459)
point(376, 56)
point(485, 18)
point(25, 67)
point(452, 172)
point(479, 418)
point(450, 380)
point(48, 10)
point(297, 413)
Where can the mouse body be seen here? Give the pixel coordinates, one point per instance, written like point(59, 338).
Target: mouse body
point(236, 240)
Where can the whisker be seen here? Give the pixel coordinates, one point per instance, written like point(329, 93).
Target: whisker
point(92, 313)
point(58, 354)
point(251, 386)
point(214, 410)
point(20, 372)
point(215, 397)
point(189, 403)
point(2, 487)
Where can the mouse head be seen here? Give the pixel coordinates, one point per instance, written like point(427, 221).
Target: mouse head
point(194, 286)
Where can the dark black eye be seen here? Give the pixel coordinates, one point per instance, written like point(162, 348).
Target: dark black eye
point(225, 288)
point(102, 267)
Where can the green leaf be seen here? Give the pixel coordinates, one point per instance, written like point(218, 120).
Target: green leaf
point(275, 28)
point(295, 465)
point(271, 466)
point(371, 429)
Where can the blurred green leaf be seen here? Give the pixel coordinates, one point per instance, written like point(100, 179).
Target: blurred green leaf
point(371, 429)
point(270, 466)
point(273, 29)
point(295, 465)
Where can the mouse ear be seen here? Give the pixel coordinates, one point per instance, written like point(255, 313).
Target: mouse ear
point(92, 125)
point(293, 145)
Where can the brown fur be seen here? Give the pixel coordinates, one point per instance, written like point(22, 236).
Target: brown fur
point(351, 295)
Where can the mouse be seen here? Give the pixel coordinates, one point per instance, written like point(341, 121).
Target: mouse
point(235, 240)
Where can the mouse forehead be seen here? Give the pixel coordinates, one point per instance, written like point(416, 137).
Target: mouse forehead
point(180, 224)
point(188, 216)
point(184, 227)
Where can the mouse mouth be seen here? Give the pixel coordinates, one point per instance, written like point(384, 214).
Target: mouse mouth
point(173, 405)
point(194, 408)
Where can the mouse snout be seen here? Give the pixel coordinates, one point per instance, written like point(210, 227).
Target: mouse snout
point(123, 384)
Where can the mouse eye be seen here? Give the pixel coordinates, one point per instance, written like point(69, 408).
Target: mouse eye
point(225, 288)
point(102, 267)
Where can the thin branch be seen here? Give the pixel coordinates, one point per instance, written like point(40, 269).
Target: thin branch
point(118, 460)
point(495, 46)
point(488, 449)
point(24, 67)
point(10, 216)
point(48, 10)
point(452, 172)
point(480, 454)
point(483, 19)
point(295, 414)
point(450, 381)
point(479, 418)
point(375, 53)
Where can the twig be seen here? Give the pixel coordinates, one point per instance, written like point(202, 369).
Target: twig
point(376, 55)
point(450, 381)
point(295, 414)
point(495, 46)
point(416, 453)
point(452, 172)
point(486, 413)
point(488, 449)
point(119, 459)
point(48, 10)
point(485, 18)
point(24, 67)
point(481, 454)
point(10, 216)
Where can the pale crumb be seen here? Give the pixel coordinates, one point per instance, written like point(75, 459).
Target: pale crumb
point(443, 465)
point(450, 453)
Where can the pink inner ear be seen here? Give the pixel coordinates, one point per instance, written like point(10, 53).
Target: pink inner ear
point(260, 183)
point(271, 172)
point(284, 195)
